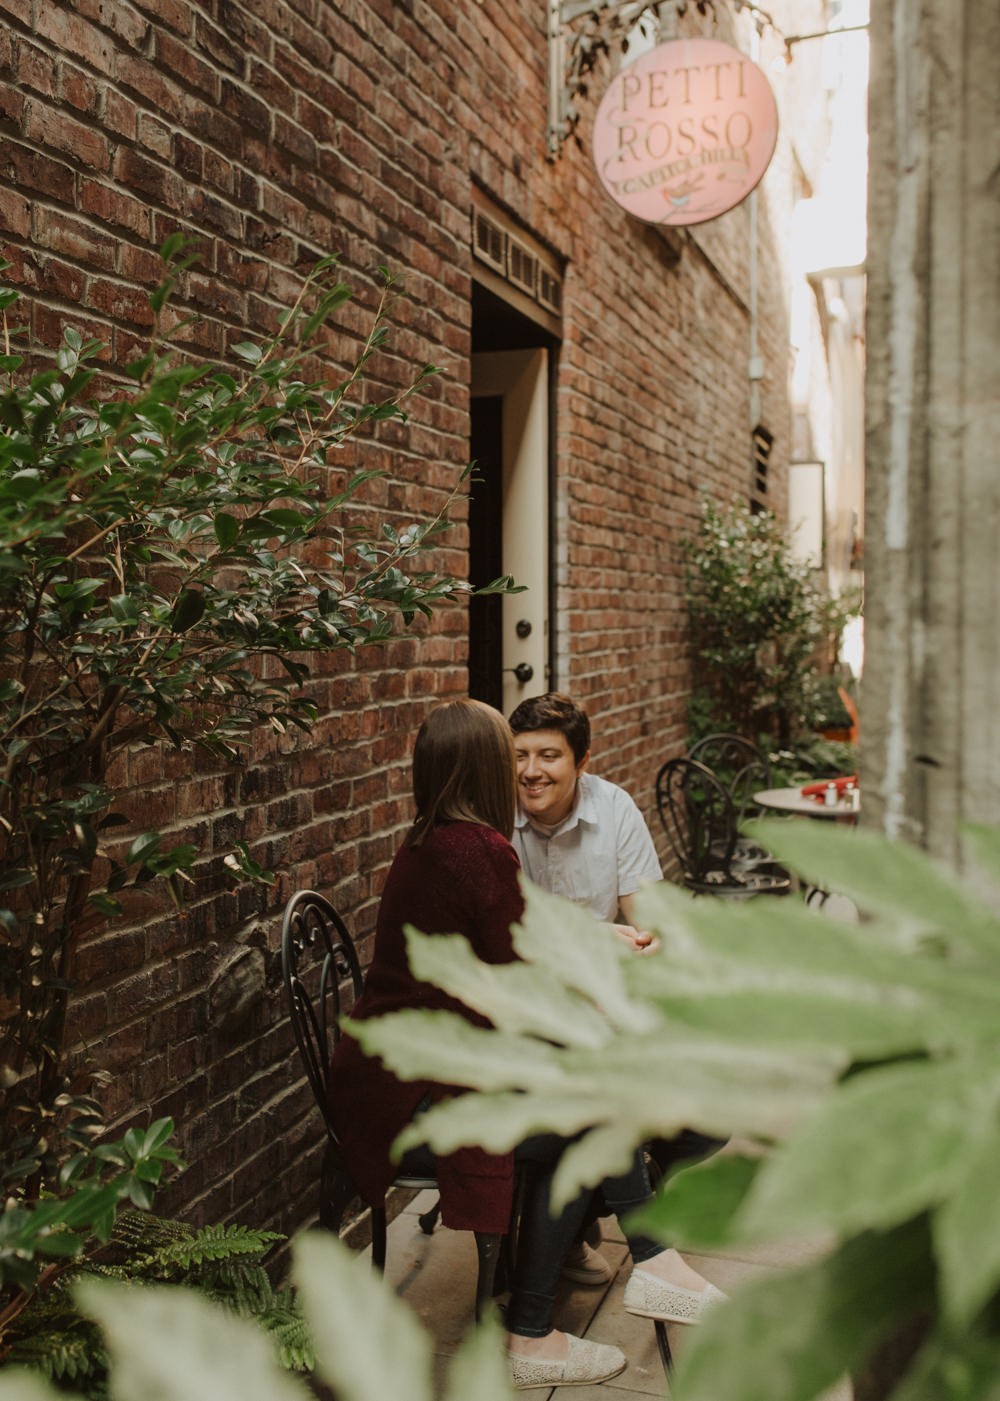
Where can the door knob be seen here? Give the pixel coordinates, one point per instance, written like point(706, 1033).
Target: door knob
point(524, 671)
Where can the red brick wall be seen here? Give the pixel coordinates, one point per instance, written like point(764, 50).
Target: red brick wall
point(276, 131)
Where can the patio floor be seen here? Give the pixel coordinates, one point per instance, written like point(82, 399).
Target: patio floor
point(436, 1275)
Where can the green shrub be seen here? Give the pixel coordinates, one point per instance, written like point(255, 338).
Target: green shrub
point(173, 550)
point(757, 624)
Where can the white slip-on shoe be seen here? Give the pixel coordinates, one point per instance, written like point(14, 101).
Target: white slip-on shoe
point(585, 1364)
point(586, 1266)
point(651, 1297)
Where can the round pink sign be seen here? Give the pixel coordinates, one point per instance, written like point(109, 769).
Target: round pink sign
point(685, 132)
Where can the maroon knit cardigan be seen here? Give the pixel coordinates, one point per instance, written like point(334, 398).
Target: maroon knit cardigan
point(462, 879)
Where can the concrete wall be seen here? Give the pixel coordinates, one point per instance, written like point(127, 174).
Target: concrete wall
point(931, 702)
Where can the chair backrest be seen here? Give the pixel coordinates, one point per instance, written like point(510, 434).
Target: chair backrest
point(739, 764)
point(727, 755)
point(320, 968)
point(698, 817)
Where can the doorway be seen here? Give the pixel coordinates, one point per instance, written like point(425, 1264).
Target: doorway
point(509, 524)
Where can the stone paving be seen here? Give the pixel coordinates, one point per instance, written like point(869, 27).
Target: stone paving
point(436, 1275)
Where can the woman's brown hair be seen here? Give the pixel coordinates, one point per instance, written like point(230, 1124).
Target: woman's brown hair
point(464, 769)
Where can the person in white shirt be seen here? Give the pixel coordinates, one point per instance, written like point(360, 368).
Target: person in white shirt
point(577, 835)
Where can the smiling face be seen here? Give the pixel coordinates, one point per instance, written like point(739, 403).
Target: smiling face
point(546, 775)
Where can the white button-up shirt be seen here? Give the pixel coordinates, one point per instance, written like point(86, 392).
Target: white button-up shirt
point(597, 854)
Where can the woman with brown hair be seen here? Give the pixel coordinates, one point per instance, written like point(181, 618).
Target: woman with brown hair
point(457, 873)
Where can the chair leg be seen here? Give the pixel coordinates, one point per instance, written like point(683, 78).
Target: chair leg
point(663, 1347)
point(429, 1219)
point(378, 1238)
point(488, 1246)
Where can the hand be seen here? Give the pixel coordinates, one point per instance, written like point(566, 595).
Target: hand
point(640, 939)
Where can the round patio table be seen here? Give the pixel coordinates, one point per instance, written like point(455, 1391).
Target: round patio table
point(791, 800)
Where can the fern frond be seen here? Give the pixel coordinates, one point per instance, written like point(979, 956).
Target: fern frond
point(244, 1286)
point(215, 1243)
point(68, 1349)
point(289, 1333)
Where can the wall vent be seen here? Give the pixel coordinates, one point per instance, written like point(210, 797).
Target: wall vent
point(532, 270)
point(762, 440)
point(490, 242)
point(522, 267)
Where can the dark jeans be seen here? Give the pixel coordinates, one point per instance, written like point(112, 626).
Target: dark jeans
point(544, 1240)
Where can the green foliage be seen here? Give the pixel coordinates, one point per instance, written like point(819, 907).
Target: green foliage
point(172, 1344)
point(756, 621)
point(91, 1183)
point(810, 757)
point(173, 550)
point(860, 1065)
point(224, 1263)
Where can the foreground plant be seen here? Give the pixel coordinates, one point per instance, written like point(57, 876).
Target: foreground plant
point(172, 550)
point(860, 1064)
point(169, 1343)
point(223, 1263)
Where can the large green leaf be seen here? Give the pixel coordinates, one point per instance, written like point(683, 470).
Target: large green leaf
point(18, 1384)
point(582, 952)
point(368, 1345)
point(966, 1240)
point(892, 1142)
point(480, 1369)
point(445, 1047)
point(890, 879)
point(697, 1206)
point(773, 970)
point(791, 1337)
point(963, 1368)
point(518, 997)
point(174, 1345)
point(640, 1087)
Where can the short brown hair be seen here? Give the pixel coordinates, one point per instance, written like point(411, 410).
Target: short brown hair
point(554, 711)
point(463, 769)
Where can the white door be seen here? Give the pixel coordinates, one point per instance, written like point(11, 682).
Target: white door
point(520, 379)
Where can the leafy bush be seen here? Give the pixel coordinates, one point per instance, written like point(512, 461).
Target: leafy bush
point(810, 757)
point(172, 1344)
point(172, 550)
point(757, 621)
point(91, 1183)
point(223, 1263)
point(859, 1063)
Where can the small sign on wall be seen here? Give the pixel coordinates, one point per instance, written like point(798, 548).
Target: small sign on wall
point(685, 132)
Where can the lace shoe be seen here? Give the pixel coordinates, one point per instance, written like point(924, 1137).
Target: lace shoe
point(649, 1296)
point(585, 1266)
point(585, 1364)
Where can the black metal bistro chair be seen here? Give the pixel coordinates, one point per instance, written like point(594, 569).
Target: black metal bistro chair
point(744, 770)
point(702, 826)
point(323, 980)
point(730, 756)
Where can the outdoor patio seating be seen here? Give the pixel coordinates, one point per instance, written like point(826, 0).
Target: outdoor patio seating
point(701, 821)
point(323, 979)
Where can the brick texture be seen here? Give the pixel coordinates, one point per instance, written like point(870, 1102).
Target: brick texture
point(274, 133)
